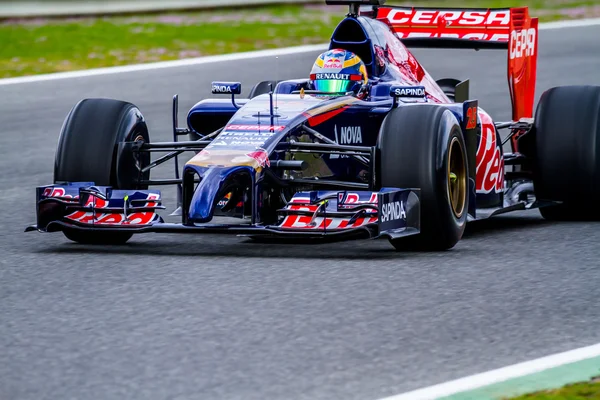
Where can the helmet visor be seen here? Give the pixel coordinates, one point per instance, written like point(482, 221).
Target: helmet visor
point(334, 85)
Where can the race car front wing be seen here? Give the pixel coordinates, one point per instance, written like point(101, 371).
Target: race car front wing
point(337, 215)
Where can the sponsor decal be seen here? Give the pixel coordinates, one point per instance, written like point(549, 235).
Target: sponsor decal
point(322, 223)
point(226, 88)
point(333, 63)
point(58, 192)
point(346, 135)
point(490, 163)
point(223, 202)
point(245, 142)
point(93, 217)
point(251, 128)
point(302, 202)
point(152, 196)
point(408, 91)
point(411, 23)
point(349, 135)
point(354, 198)
point(345, 77)
point(300, 199)
point(495, 37)
point(350, 197)
point(393, 211)
point(241, 135)
point(261, 156)
point(349, 200)
point(237, 138)
point(95, 202)
point(495, 18)
point(522, 43)
point(221, 89)
point(143, 218)
point(53, 192)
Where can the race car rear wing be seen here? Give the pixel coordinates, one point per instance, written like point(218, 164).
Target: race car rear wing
point(479, 28)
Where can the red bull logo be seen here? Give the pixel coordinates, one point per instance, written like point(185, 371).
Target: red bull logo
point(261, 156)
point(490, 163)
point(333, 63)
point(97, 217)
point(60, 193)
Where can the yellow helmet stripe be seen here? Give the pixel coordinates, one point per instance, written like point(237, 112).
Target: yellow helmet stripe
point(363, 71)
point(351, 62)
point(320, 62)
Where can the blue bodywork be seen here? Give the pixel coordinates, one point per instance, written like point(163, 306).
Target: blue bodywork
point(357, 123)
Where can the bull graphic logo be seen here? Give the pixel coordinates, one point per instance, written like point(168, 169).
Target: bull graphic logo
point(333, 63)
point(261, 156)
point(490, 163)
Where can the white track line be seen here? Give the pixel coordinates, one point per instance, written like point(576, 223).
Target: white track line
point(228, 58)
point(499, 375)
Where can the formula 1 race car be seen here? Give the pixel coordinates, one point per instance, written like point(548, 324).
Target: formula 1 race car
point(405, 157)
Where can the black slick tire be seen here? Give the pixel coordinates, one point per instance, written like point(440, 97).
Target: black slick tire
point(413, 152)
point(567, 152)
point(88, 152)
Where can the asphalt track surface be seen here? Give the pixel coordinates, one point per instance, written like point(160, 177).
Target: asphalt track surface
point(217, 317)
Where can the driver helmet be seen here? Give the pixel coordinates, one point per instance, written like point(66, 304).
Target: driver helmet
point(338, 72)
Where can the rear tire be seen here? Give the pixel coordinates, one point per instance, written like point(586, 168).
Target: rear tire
point(88, 152)
point(418, 147)
point(567, 147)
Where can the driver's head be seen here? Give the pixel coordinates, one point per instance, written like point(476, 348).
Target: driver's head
point(338, 72)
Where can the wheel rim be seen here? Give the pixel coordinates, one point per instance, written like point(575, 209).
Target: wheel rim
point(457, 178)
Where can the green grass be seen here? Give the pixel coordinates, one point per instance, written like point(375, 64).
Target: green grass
point(39, 46)
point(576, 391)
point(52, 45)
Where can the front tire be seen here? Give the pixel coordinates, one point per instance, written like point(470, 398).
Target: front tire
point(98, 238)
point(88, 152)
point(567, 152)
point(422, 146)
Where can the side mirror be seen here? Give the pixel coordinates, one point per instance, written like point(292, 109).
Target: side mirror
point(226, 88)
point(417, 93)
point(407, 91)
